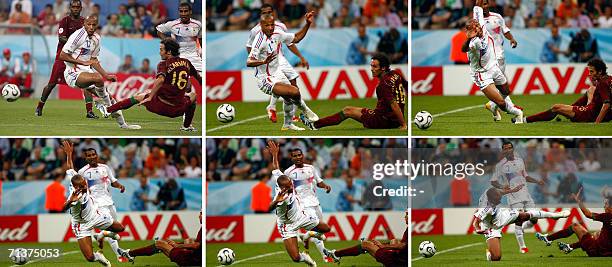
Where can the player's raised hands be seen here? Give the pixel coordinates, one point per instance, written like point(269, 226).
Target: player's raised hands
point(281, 196)
point(67, 147)
point(310, 17)
point(273, 148)
point(76, 194)
point(479, 3)
point(576, 196)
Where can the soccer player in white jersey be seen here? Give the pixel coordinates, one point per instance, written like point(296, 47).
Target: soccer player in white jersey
point(86, 214)
point(187, 32)
point(100, 178)
point(511, 172)
point(491, 217)
point(484, 69)
point(496, 26)
point(264, 56)
point(305, 177)
point(292, 75)
point(80, 54)
point(290, 212)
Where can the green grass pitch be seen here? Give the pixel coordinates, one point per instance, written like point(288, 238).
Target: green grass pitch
point(251, 119)
point(479, 122)
point(473, 254)
point(74, 258)
point(67, 118)
point(274, 254)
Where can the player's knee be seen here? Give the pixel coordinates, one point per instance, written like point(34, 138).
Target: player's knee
point(556, 108)
point(323, 228)
point(120, 228)
point(295, 92)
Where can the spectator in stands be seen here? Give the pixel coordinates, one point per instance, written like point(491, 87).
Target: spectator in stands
point(460, 193)
point(19, 17)
point(353, 12)
point(193, 170)
point(24, 70)
point(261, 195)
point(112, 28)
point(60, 8)
point(42, 16)
point(171, 196)
point(145, 19)
point(583, 47)
point(325, 10)
point(125, 20)
point(132, 8)
point(358, 49)
point(49, 26)
point(7, 174)
point(513, 19)
point(158, 11)
point(146, 67)
point(7, 67)
point(579, 19)
point(127, 66)
point(392, 47)
point(387, 18)
point(566, 187)
point(552, 47)
point(346, 198)
point(141, 196)
point(35, 168)
point(137, 30)
point(342, 18)
point(153, 160)
point(107, 157)
point(422, 11)
point(293, 13)
point(26, 6)
point(320, 20)
point(55, 195)
point(605, 20)
point(19, 155)
point(371, 202)
point(166, 170)
point(440, 18)
point(591, 164)
point(243, 166)
point(89, 143)
point(565, 8)
point(87, 8)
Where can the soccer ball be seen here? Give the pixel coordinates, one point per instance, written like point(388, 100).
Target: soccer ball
point(427, 249)
point(226, 256)
point(226, 113)
point(423, 120)
point(11, 92)
point(19, 256)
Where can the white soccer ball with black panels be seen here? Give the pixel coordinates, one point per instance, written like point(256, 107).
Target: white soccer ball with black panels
point(423, 120)
point(226, 113)
point(19, 256)
point(11, 92)
point(226, 256)
point(427, 249)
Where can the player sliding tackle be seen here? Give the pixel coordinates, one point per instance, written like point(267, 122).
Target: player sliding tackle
point(490, 218)
point(389, 111)
point(81, 54)
point(598, 244)
point(168, 97)
point(271, 80)
point(86, 214)
point(484, 68)
point(594, 106)
point(291, 216)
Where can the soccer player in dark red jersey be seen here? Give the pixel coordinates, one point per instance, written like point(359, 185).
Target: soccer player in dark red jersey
point(598, 244)
point(168, 96)
point(67, 26)
point(594, 106)
point(394, 254)
point(188, 253)
point(389, 111)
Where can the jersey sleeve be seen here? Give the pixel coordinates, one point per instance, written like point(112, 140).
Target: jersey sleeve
point(62, 28)
point(317, 175)
point(387, 85)
point(111, 174)
point(256, 46)
point(604, 89)
point(286, 38)
point(252, 35)
point(164, 27)
point(96, 51)
point(161, 69)
point(505, 28)
point(478, 15)
point(73, 42)
point(476, 43)
point(481, 213)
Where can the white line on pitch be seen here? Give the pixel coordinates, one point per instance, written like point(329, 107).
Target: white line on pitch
point(456, 110)
point(452, 249)
point(42, 259)
point(257, 257)
point(236, 123)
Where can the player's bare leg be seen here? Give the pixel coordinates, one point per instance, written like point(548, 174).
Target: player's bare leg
point(493, 94)
point(493, 249)
point(47, 91)
point(89, 254)
point(293, 93)
point(549, 115)
point(335, 119)
point(291, 245)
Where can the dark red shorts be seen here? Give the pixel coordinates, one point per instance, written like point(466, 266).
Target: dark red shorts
point(389, 257)
point(584, 114)
point(158, 107)
point(589, 245)
point(371, 120)
point(57, 73)
point(184, 257)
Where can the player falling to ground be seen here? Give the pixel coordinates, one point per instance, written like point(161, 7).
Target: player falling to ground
point(99, 178)
point(67, 26)
point(304, 177)
point(80, 53)
point(187, 32)
point(594, 106)
point(389, 111)
point(393, 254)
point(598, 244)
point(511, 172)
point(264, 56)
point(484, 69)
point(284, 65)
point(187, 253)
point(496, 26)
point(169, 96)
point(490, 218)
point(86, 213)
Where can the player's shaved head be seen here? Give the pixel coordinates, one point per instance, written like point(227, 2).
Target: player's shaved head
point(494, 196)
point(284, 182)
point(91, 24)
point(78, 182)
point(267, 25)
point(92, 18)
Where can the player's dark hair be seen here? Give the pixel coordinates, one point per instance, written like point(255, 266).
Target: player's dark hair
point(91, 149)
point(76, 179)
point(185, 4)
point(295, 149)
point(172, 46)
point(266, 5)
point(383, 60)
point(283, 178)
point(507, 143)
point(599, 65)
point(74, 1)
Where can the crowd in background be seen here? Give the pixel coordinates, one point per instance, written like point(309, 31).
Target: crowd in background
point(44, 159)
point(518, 14)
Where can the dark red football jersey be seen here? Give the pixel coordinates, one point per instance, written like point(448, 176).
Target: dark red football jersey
point(602, 93)
point(391, 87)
point(177, 72)
point(66, 27)
point(604, 241)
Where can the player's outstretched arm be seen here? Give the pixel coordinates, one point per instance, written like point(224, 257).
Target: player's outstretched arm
point(69, 150)
point(159, 81)
point(603, 112)
point(302, 32)
point(274, 149)
point(510, 37)
point(534, 180)
point(296, 52)
point(324, 186)
point(576, 197)
point(116, 184)
point(73, 197)
point(96, 65)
